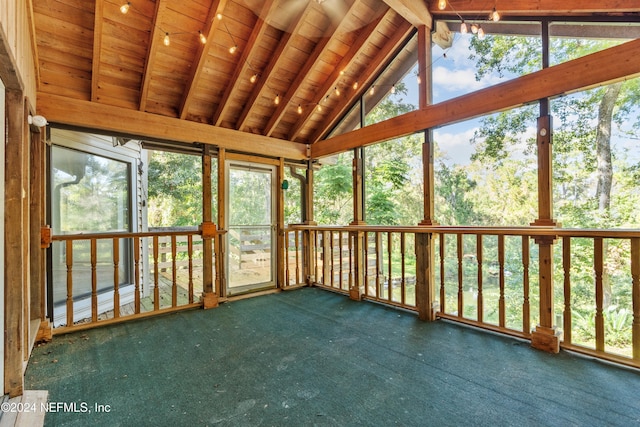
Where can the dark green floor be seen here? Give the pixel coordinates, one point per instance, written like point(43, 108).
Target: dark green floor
point(311, 357)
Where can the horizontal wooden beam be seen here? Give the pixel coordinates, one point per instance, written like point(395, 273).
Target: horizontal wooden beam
point(536, 8)
point(93, 115)
point(416, 12)
point(613, 64)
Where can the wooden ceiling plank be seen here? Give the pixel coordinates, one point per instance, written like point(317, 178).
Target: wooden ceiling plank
point(97, 49)
point(610, 65)
point(276, 58)
point(155, 40)
point(243, 63)
point(534, 8)
point(107, 118)
point(217, 7)
point(416, 12)
point(310, 64)
point(389, 49)
point(356, 48)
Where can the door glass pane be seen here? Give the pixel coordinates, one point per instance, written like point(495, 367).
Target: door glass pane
point(250, 228)
point(90, 194)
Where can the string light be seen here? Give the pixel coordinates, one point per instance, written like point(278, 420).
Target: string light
point(494, 16)
point(355, 85)
point(474, 28)
point(166, 40)
point(253, 78)
point(372, 91)
point(337, 91)
point(393, 89)
point(418, 79)
point(463, 27)
point(442, 4)
point(276, 101)
point(203, 39)
point(233, 49)
point(480, 33)
point(319, 108)
point(299, 109)
point(125, 8)
point(219, 16)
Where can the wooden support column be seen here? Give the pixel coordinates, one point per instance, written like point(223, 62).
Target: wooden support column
point(545, 336)
point(221, 280)
point(309, 236)
point(281, 256)
point(14, 262)
point(356, 290)
point(425, 290)
point(209, 233)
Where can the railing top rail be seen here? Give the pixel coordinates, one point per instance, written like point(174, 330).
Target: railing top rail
point(506, 231)
point(125, 235)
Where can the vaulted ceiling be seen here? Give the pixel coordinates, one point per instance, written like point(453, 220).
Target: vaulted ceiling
point(268, 67)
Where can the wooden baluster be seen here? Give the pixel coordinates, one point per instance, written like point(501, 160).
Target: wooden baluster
point(350, 237)
point(339, 249)
point(403, 268)
point(389, 267)
point(526, 309)
point(94, 281)
point(190, 263)
point(332, 259)
point(116, 278)
point(566, 266)
point(366, 263)
point(598, 262)
point(69, 256)
point(297, 254)
point(379, 258)
point(174, 273)
point(635, 275)
point(156, 290)
point(460, 248)
point(479, 260)
point(285, 257)
point(501, 303)
point(442, 289)
point(136, 269)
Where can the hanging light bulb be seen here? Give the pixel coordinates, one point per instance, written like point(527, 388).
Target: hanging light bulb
point(393, 89)
point(233, 49)
point(277, 100)
point(125, 8)
point(372, 90)
point(463, 28)
point(418, 79)
point(355, 85)
point(319, 107)
point(442, 4)
point(474, 28)
point(480, 33)
point(337, 91)
point(299, 109)
point(166, 40)
point(253, 78)
point(203, 39)
point(494, 16)
point(219, 16)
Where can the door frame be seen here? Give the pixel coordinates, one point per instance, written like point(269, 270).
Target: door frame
point(248, 163)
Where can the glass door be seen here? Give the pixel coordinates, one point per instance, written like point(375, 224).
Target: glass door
point(251, 227)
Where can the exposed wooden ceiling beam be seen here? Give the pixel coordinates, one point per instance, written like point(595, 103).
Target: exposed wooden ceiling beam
point(416, 12)
point(243, 63)
point(155, 39)
point(356, 48)
point(310, 64)
point(389, 49)
point(97, 48)
point(535, 8)
point(261, 84)
point(613, 64)
point(95, 116)
point(217, 7)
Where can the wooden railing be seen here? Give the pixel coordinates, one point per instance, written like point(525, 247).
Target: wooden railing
point(112, 277)
point(487, 277)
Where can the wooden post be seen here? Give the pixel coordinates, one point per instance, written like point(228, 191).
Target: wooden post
point(425, 291)
point(220, 245)
point(308, 237)
point(14, 262)
point(356, 288)
point(635, 274)
point(208, 232)
point(282, 257)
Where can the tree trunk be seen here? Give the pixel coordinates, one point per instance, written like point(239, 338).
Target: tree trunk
point(605, 168)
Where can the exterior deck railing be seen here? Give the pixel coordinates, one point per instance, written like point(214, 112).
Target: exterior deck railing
point(487, 277)
point(112, 277)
